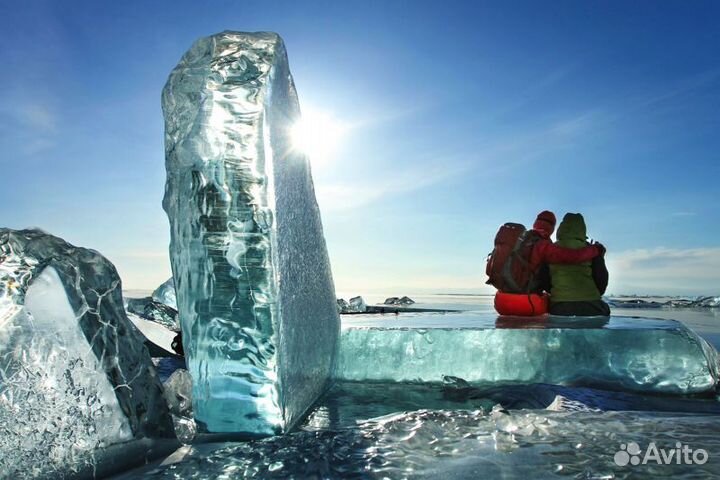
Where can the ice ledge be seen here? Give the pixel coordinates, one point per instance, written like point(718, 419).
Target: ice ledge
point(625, 353)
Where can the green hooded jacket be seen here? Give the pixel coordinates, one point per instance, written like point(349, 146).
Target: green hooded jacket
point(572, 283)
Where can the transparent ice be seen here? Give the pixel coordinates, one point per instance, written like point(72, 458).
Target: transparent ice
point(696, 302)
point(254, 289)
point(708, 302)
point(165, 294)
point(357, 304)
point(453, 443)
point(343, 305)
point(178, 394)
point(154, 311)
point(623, 353)
point(457, 429)
point(75, 377)
point(404, 301)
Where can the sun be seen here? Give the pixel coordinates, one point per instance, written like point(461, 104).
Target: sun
point(318, 134)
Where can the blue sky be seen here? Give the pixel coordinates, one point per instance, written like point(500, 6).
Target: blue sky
point(461, 115)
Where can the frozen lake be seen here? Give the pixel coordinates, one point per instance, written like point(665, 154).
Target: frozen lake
point(704, 321)
point(371, 429)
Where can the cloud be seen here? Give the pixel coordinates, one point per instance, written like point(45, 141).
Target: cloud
point(573, 130)
point(502, 154)
point(507, 152)
point(536, 88)
point(38, 117)
point(349, 195)
point(667, 97)
point(31, 125)
point(37, 145)
point(661, 270)
point(578, 125)
point(686, 85)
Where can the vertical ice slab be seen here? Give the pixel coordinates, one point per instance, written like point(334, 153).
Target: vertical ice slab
point(75, 379)
point(252, 276)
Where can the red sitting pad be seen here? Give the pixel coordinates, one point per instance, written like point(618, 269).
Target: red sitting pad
point(522, 304)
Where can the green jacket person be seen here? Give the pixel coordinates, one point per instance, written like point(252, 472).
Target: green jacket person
point(577, 289)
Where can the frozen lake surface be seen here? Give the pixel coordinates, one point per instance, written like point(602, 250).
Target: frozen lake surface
point(704, 321)
point(454, 429)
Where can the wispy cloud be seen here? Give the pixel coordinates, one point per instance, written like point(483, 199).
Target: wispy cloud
point(682, 87)
point(577, 125)
point(352, 194)
point(577, 128)
point(494, 154)
point(591, 121)
point(502, 153)
point(660, 99)
point(666, 270)
point(37, 116)
point(32, 125)
point(536, 88)
point(507, 152)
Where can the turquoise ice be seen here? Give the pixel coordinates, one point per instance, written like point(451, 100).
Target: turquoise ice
point(165, 294)
point(624, 353)
point(76, 383)
point(254, 289)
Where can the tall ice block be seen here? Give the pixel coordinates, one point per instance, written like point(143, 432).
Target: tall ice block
point(254, 287)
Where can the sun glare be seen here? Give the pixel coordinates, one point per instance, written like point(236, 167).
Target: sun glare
point(318, 134)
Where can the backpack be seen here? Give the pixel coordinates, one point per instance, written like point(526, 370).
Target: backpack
point(508, 265)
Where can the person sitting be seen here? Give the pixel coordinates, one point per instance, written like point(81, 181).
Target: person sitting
point(529, 266)
point(577, 289)
point(545, 252)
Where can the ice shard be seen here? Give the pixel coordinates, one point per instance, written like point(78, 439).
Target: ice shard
point(355, 305)
point(75, 378)
point(165, 294)
point(620, 353)
point(178, 393)
point(254, 289)
point(154, 311)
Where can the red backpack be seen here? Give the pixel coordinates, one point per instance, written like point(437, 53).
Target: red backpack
point(508, 265)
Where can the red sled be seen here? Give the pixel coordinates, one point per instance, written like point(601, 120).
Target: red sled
point(522, 304)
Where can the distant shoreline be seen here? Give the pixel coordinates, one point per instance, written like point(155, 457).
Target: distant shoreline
point(139, 292)
point(464, 294)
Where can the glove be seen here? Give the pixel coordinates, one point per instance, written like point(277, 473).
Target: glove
point(601, 248)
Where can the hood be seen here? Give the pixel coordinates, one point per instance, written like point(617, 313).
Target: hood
point(572, 231)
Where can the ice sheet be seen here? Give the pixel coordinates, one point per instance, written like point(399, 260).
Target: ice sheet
point(622, 352)
point(459, 444)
